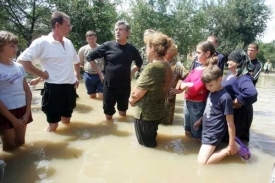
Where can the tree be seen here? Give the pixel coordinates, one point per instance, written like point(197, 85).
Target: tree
point(85, 15)
point(266, 51)
point(27, 19)
point(31, 18)
point(181, 20)
point(236, 23)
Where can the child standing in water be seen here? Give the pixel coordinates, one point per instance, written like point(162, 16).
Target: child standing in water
point(196, 92)
point(15, 95)
point(218, 112)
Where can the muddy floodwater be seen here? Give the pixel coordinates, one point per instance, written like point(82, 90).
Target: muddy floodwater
point(91, 150)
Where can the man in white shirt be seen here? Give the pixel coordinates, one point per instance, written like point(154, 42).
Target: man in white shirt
point(60, 62)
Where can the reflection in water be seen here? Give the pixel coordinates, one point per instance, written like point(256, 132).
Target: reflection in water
point(92, 150)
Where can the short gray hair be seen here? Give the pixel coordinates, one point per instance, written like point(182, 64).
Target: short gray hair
point(122, 22)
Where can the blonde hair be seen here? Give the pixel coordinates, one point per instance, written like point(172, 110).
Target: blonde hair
point(160, 42)
point(7, 37)
point(173, 49)
point(148, 32)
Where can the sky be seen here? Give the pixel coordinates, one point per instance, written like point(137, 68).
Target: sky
point(269, 34)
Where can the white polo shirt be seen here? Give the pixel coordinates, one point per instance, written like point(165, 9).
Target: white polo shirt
point(57, 60)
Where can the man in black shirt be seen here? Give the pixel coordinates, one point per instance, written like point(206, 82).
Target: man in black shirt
point(117, 73)
point(256, 66)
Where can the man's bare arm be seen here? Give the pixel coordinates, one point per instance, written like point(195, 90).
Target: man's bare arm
point(98, 71)
point(33, 70)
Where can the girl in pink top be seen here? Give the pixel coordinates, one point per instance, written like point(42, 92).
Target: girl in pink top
point(196, 92)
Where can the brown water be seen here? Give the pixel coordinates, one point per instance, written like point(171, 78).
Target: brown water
point(91, 150)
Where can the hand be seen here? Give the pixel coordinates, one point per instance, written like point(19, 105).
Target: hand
point(76, 84)
point(25, 118)
point(232, 150)
point(236, 104)
point(174, 91)
point(102, 78)
point(18, 123)
point(185, 85)
point(46, 75)
point(131, 102)
point(35, 81)
point(197, 124)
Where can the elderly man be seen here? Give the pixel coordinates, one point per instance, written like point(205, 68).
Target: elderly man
point(116, 76)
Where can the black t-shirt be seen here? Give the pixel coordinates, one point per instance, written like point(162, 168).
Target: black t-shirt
point(255, 68)
point(118, 60)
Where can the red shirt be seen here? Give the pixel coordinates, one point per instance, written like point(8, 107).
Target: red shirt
point(198, 91)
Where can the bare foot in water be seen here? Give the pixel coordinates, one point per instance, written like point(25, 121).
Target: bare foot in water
point(108, 117)
point(122, 113)
point(52, 127)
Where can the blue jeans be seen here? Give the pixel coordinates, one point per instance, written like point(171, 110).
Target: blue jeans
point(192, 112)
point(93, 83)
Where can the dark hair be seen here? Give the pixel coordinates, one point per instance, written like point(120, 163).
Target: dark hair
point(214, 37)
point(255, 45)
point(7, 37)
point(58, 17)
point(213, 60)
point(240, 57)
point(90, 33)
point(211, 73)
point(206, 46)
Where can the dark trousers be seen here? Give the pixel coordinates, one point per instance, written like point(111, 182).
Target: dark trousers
point(146, 132)
point(111, 97)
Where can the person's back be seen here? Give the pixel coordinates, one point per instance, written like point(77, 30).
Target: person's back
point(157, 76)
point(150, 92)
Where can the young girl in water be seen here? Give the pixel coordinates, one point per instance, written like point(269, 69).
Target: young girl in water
point(196, 92)
point(15, 95)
